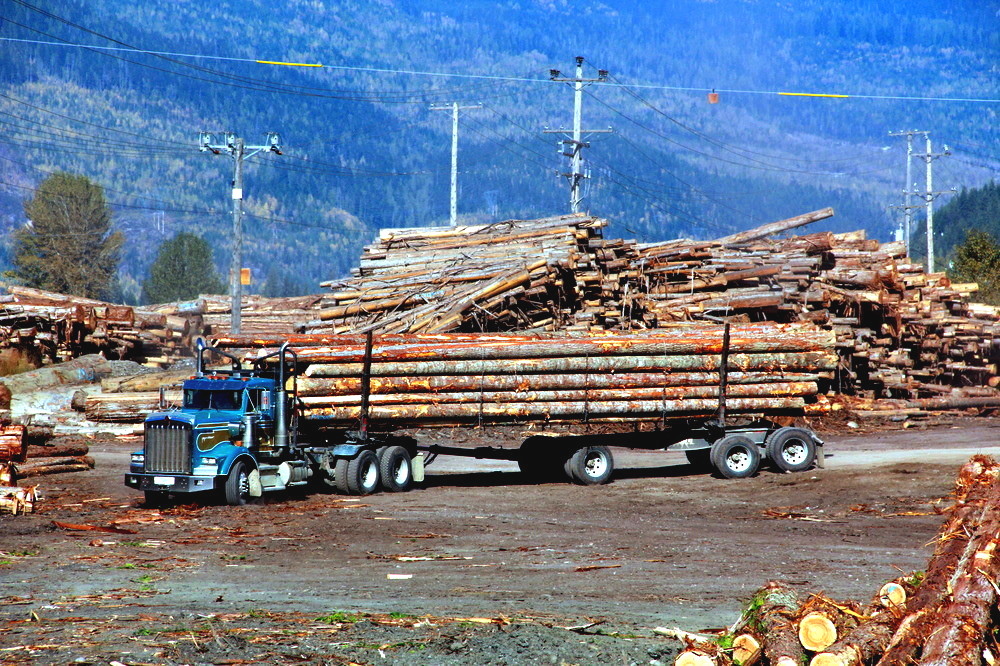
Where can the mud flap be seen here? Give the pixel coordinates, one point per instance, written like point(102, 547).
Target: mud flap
point(417, 468)
point(256, 490)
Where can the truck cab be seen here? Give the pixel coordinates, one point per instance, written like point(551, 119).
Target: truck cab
point(229, 435)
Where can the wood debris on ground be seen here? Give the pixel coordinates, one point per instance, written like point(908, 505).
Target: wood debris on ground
point(943, 616)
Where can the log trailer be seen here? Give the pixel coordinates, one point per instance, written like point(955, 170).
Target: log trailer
point(245, 429)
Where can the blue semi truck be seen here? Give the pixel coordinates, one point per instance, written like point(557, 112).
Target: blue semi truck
point(238, 433)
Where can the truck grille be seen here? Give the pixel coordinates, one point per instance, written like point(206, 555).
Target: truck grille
point(168, 447)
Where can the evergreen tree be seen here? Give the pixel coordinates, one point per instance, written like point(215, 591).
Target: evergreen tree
point(69, 246)
point(978, 260)
point(183, 269)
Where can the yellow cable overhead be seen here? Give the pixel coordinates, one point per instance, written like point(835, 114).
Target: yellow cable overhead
point(796, 94)
point(288, 64)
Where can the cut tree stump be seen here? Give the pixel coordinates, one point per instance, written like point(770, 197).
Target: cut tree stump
point(817, 631)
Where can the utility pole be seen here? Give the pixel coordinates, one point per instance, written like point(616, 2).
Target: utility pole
point(455, 108)
point(576, 144)
point(928, 195)
point(236, 146)
point(908, 186)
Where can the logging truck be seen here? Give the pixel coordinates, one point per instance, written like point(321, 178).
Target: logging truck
point(243, 428)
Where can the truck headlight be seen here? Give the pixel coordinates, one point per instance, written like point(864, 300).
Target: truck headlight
point(138, 458)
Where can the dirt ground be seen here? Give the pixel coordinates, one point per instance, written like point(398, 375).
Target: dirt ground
point(477, 566)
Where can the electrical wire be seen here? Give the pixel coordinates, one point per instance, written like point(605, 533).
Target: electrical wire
point(244, 82)
point(487, 77)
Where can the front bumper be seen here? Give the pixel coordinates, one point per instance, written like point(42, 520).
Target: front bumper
point(169, 483)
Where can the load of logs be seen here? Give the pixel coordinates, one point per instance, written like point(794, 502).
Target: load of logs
point(452, 379)
point(945, 615)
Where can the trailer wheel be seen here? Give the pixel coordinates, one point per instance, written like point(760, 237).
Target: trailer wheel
point(237, 489)
point(791, 449)
point(591, 465)
point(359, 475)
point(700, 459)
point(735, 456)
point(395, 468)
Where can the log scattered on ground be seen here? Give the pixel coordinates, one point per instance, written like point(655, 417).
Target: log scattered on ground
point(42, 466)
point(944, 617)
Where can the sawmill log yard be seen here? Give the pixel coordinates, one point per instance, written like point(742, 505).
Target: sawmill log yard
point(763, 449)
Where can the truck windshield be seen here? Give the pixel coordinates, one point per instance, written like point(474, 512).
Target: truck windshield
point(212, 399)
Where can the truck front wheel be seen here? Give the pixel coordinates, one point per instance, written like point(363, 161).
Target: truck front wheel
point(237, 489)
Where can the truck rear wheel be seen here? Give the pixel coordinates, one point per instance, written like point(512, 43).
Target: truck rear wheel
point(736, 456)
point(357, 475)
point(591, 465)
point(791, 449)
point(237, 489)
point(395, 468)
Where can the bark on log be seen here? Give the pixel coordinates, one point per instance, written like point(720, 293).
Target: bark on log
point(975, 482)
point(145, 382)
point(620, 410)
point(956, 637)
point(755, 340)
point(801, 361)
point(340, 386)
point(54, 466)
point(776, 607)
point(775, 227)
point(58, 450)
point(79, 371)
point(662, 392)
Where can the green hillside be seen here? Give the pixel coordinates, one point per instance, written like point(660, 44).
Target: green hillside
point(362, 150)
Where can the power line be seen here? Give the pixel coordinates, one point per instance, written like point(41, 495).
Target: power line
point(246, 83)
point(489, 77)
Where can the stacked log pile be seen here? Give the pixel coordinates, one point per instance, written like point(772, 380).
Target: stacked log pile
point(37, 451)
point(259, 315)
point(514, 275)
point(57, 327)
point(452, 379)
point(946, 615)
point(901, 333)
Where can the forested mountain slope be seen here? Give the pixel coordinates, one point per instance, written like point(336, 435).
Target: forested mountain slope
point(363, 150)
